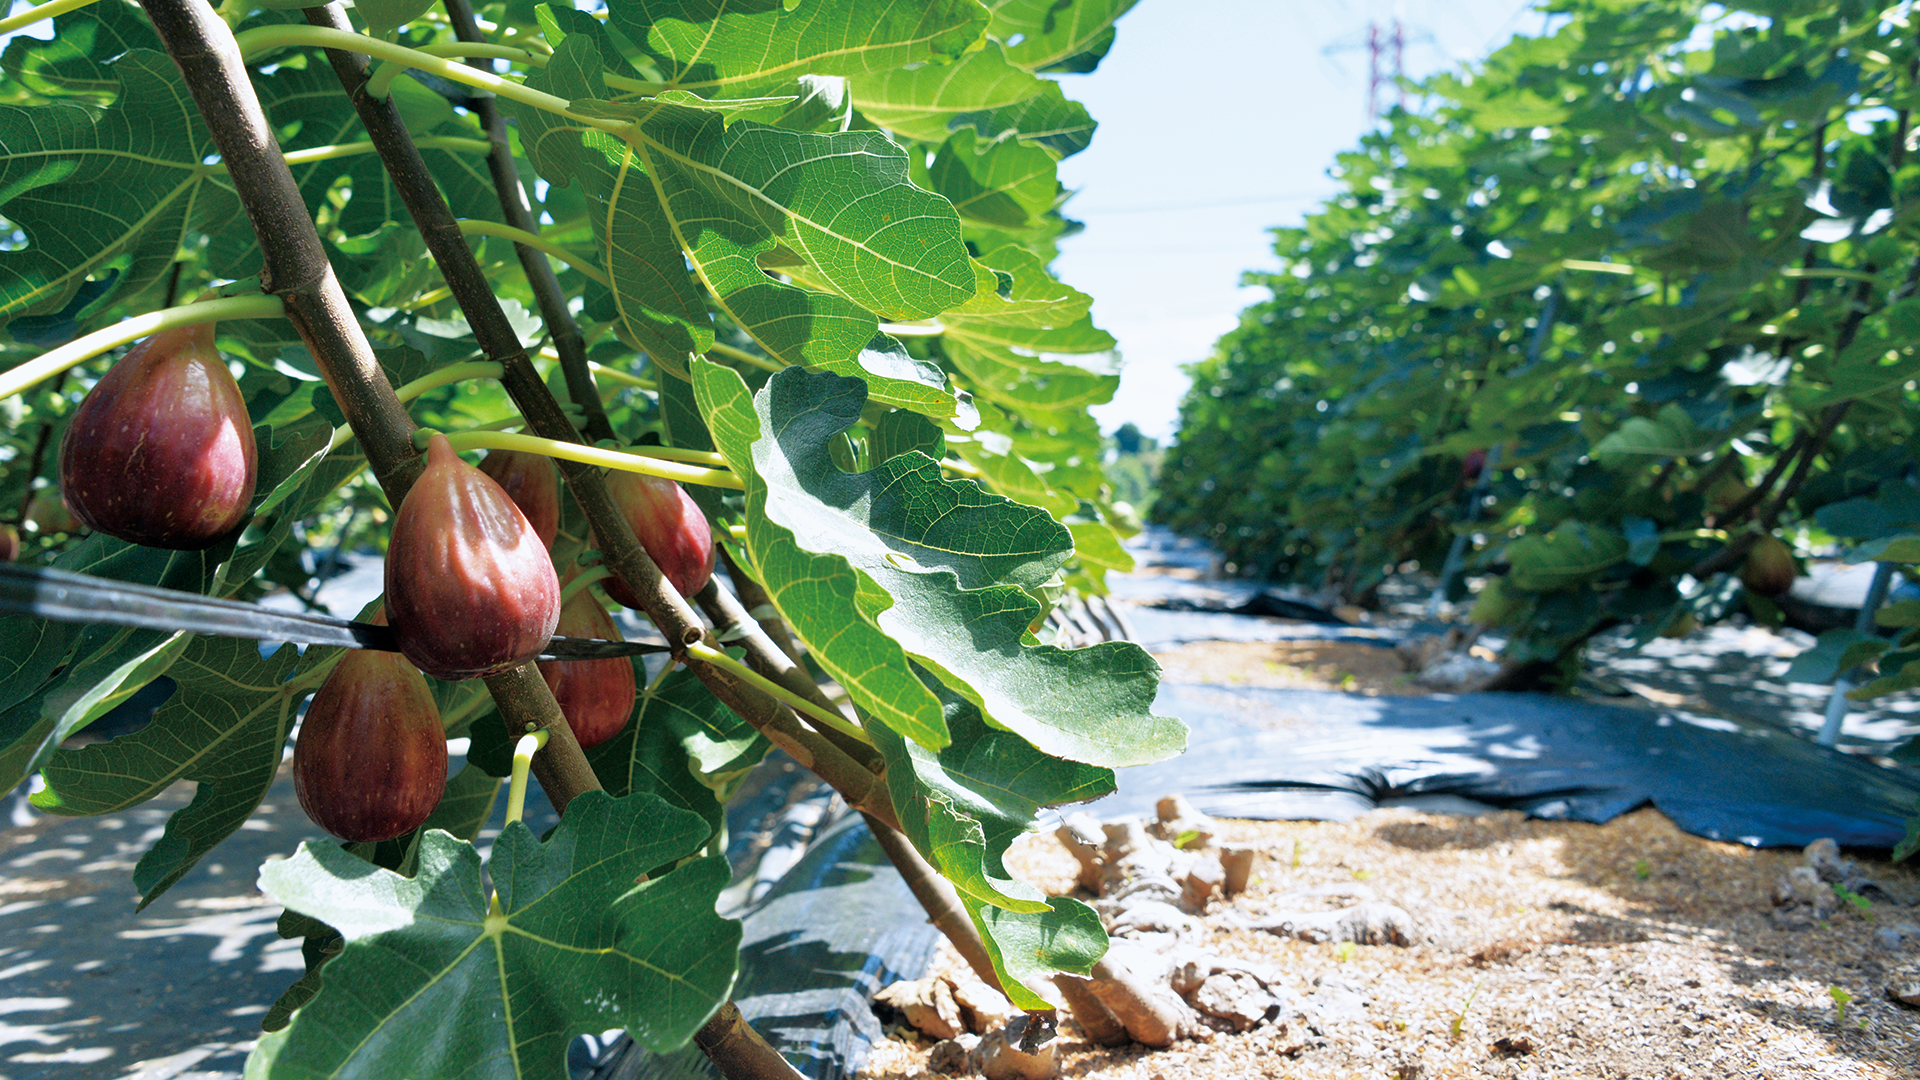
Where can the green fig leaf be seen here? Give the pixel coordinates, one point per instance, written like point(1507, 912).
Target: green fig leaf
point(874, 568)
point(580, 944)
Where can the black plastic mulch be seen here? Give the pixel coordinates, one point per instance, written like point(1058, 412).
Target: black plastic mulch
point(1301, 754)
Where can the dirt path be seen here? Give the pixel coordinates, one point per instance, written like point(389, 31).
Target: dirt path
point(1623, 950)
point(1550, 949)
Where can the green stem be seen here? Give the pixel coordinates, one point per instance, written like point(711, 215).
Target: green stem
point(703, 651)
point(593, 455)
point(925, 329)
point(381, 81)
point(481, 227)
point(80, 350)
point(266, 38)
point(745, 357)
point(615, 374)
point(679, 453)
point(581, 580)
point(1826, 272)
point(523, 752)
point(44, 11)
point(446, 376)
point(634, 86)
point(1595, 267)
point(427, 299)
point(340, 150)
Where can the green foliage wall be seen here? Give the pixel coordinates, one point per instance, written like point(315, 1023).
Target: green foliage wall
point(1664, 247)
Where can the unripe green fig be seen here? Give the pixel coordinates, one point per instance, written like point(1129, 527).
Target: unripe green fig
point(470, 587)
point(1496, 605)
point(596, 696)
point(1769, 568)
point(160, 451)
point(534, 486)
point(47, 513)
point(669, 526)
point(371, 760)
point(1683, 625)
point(1726, 492)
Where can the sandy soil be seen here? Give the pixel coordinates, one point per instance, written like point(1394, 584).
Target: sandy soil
point(1563, 950)
point(1291, 665)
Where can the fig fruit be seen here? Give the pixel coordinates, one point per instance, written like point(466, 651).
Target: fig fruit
point(1725, 493)
point(1769, 568)
point(534, 486)
point(371, 760)
point(596, 696)
point(669, 526)
point(1496, 605)
point(1683, 625)
point(9, 543)
point(47, 513)
point(160, 452)
point(470, 587)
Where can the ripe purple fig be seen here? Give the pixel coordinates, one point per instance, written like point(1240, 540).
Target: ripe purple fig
point(534, 486)
point(161, 451)
point(596, 696)
point(371, 760)
point(1769, 568)
point(9, 543)
point(669, 526)
point(470, 587)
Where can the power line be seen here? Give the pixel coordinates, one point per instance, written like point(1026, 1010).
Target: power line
point(1159, 208)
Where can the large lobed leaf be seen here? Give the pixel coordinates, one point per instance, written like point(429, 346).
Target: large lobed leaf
point(964, 804)
point(581, 944)
point(726, 44)
point(683, 189)
point(895, 564)
point(111, 194)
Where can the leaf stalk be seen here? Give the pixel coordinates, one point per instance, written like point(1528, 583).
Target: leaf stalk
point(80, 350)
point(703, 651)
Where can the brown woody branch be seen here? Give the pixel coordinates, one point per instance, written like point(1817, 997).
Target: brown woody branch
point(297, 271)
point(561, 327)
point(622, 553)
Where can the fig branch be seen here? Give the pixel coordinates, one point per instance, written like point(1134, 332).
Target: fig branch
point(568, 343)
point(297, 273)
point(622, 552)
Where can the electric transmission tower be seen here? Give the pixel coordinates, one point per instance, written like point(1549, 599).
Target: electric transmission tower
point(1386, 44)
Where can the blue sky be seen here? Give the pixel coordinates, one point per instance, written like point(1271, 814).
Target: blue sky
point(1218, 120)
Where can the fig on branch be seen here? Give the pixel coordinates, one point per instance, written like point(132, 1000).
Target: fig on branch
point(470, 587)
point(1769, 568)
point(596, 696)
point(669, 526)
point(1725, 493)
point(1683, 625)
point(533, 484)
point(47, 513)
point(371, 759)
point(1496, 605)
point(161, 451)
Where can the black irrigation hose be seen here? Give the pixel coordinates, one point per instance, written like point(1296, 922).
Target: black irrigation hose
point(62, 596)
